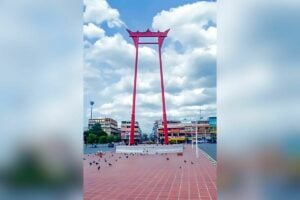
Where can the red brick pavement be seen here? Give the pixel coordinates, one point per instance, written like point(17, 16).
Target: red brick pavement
point(150, 177)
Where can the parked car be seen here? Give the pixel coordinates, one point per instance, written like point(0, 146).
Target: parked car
point(199, 141)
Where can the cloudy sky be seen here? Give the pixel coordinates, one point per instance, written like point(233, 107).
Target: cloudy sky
point(189, 59)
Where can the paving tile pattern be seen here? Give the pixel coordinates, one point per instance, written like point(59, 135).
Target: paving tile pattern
point(149, 177)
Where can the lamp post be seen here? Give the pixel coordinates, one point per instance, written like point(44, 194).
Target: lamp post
point(197, 151)
point(197, 154)
point(92, 103)
point(128, 139)
point(192, 139)
point(188, 132)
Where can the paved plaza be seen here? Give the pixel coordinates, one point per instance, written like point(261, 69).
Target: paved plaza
point(167, 176)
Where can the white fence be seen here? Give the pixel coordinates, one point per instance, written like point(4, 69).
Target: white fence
point(150, 149)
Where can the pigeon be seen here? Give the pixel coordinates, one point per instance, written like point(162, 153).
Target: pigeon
point(167, 158)
point(184, 161)
point(110, 164)
point(97, 163)
point(126, 156)
point(180, 167)
point(116, 160)
point(105, 160)
point(94, 161)
point(192, 163)
point(90, 163)
point(98, 168)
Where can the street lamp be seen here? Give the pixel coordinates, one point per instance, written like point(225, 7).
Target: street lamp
point(128, 139)
point(197, 155)
point(197, 151)
point(192, 137)
point(92, 103)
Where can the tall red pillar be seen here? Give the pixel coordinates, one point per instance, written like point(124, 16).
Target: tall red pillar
point(132, 125)
point(165, 122)
point(160, 38)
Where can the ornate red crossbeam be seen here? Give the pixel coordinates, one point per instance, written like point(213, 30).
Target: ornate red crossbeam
point(148, 33)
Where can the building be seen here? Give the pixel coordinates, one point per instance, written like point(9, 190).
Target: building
point(203, 129)
point(180, 132)
point(109, 125)
point(213, 128)
point(157, 130)
point(175, 131)
point(125, 131)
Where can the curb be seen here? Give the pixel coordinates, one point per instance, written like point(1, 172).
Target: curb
point(213, 161)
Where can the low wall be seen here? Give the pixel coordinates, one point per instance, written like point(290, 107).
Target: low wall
point(150, 149)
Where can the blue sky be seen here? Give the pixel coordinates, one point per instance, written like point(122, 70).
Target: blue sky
point(189, 59)
point(138, 14)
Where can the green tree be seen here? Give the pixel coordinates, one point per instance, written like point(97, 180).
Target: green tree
point(117, 138)
point(144, 137)
point(110, 139)
point(102, 139)
point(85, 136)
point(92, 138)
point(97, 130)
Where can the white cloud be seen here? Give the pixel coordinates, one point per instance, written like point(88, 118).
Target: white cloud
point(98, 11)
point(110, 50)
point(188, 23)
point(92, 31)
point(116, 52)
